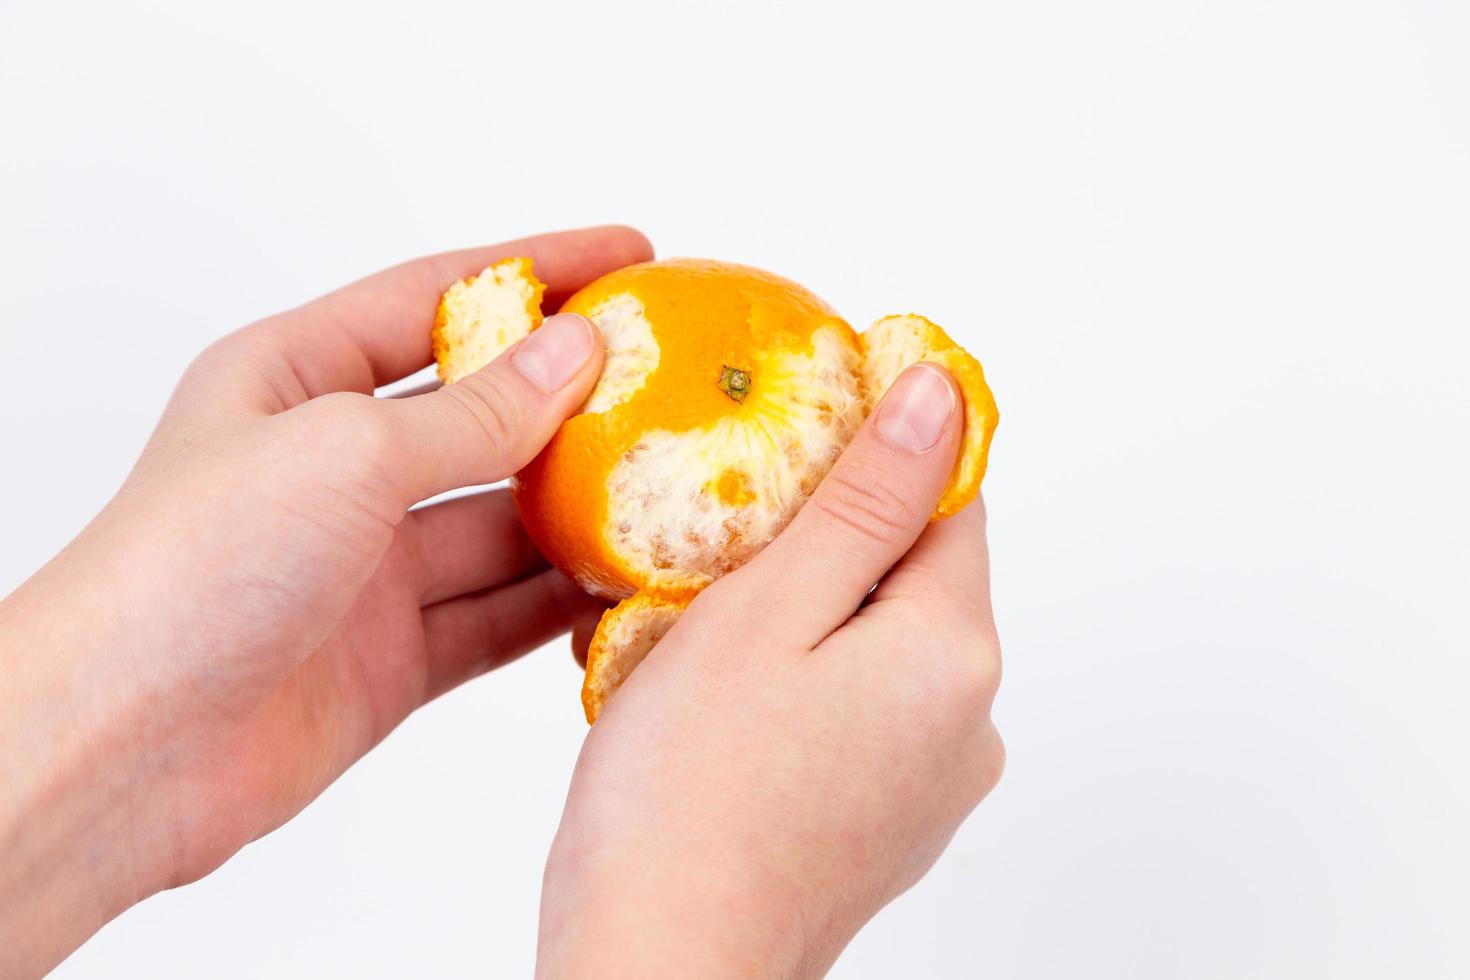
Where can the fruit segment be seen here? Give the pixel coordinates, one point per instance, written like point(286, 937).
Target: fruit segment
point(896, 342)
point(626, 634)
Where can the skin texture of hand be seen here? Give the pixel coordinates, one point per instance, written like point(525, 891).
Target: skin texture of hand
point(796, 751)
point(257, 607)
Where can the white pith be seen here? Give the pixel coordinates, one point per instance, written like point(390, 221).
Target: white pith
point(630, 352)
point(484, 317)
point(629, 633)
point(665, 518)
point(889, 346)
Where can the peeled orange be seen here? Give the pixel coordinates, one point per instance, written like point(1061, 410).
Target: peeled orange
point(726, 395)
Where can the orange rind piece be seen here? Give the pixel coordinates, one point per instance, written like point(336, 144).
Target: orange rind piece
point(624, 637)
point(895, 343)
point(480, 317)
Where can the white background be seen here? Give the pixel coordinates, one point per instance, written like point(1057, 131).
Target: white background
point(1214, 256)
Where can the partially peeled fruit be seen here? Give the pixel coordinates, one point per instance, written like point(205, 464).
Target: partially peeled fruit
point(726, 395)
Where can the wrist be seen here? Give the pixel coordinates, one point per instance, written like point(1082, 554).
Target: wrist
point(655, 912)
point(74, 779)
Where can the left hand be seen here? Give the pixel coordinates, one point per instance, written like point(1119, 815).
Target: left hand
point(257, 607)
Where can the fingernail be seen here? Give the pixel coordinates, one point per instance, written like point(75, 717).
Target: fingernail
point(912, 414)
point(555, 351)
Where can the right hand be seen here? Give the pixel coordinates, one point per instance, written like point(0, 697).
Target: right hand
point(796, 752)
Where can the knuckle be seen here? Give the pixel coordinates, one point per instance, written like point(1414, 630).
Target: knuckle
point(978, 681)
point(963, 680)
point(974, 623)
point(980, 765)
point(342, 408)
point(229, 348)
point(947, 687)
point(350, 422)
point(256, 352)
point(232, 350)
point(909, 615)
point(860, 502)
point(997, 754)
point(492, 408)
point(990, 763)
point(259, 342)
point(346, 447)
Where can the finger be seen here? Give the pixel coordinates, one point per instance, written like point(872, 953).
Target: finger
point(582, 632)
point(474, 633)
point(864, 515)
point(949, 565)
point(376, 330)
point(472, 543)
point(488, 425)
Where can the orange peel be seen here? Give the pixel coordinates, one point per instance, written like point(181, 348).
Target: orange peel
point(896, 342)
point(479, 317)
point(625, 635)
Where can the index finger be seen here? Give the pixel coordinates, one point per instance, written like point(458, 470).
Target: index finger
point(376, 330)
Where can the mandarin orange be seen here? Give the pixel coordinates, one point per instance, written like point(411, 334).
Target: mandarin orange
point(726, 395)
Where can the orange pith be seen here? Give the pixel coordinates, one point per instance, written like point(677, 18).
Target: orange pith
point(470, 326)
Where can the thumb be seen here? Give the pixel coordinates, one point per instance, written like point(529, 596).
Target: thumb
point(866, 513)
point(487, 425)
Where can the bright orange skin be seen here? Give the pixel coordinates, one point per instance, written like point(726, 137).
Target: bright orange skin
point(705, 316)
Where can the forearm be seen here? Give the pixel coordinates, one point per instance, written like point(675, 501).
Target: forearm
point(71, 785)
point(66, 869)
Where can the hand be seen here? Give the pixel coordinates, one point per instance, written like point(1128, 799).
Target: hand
point(795, 752)
point(258, 607)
